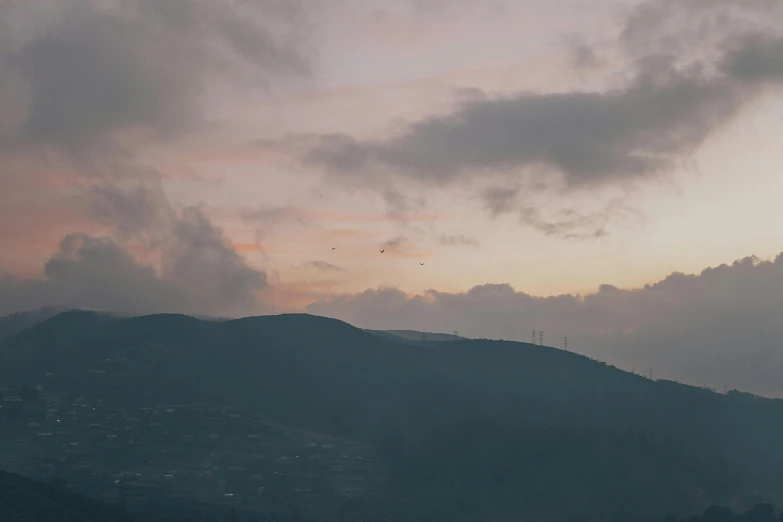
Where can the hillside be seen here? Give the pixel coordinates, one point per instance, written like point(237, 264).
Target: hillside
point(15, 323)
point(414, 335)
point(25, 500)
point(468, 429)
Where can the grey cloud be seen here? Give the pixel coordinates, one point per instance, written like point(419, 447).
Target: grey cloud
point(660, 117)
point(82, 69)
point(458, 240)
point(75, 74)
point(340, 152)
point(720, 325)
point(99, 273)
point(325, 265)
point(584, 57)
point(399, 206)
point(396, 243)
point(137, 210)
point(201, 274)
point(759, 59)
point(92, 273)
point(265, 219)
point(269, 216)
point(200, 258)
point(195, 255)
point(589, 137)
point(470, 94)
point(573, 225)
point(500, 200)
point(688, 27)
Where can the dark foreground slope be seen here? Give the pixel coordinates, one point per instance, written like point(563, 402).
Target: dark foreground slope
point(25, 500)
point(470, 429)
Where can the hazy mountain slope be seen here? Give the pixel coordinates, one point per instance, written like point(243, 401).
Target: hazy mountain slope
point(15, 323)
point(414, 335)
point(25, 500)
point(492, 418)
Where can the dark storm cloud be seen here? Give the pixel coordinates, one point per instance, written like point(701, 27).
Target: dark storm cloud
point(720, 325)
point(81, 69)
point(661, 116)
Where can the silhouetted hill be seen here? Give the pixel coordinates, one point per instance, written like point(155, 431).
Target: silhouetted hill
point(25, 500)
point(472, 429)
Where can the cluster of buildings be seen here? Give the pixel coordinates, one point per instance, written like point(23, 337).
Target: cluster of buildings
point(182, 457)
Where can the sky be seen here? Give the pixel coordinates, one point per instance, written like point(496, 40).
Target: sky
point(606, 171)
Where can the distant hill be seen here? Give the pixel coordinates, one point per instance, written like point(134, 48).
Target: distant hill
point(25, 500)
point(15, 323)
point(413, 335)
point(470, 429)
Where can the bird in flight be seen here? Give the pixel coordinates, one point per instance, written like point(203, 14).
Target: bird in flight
point(382, 251)
point(422, 264)
point(333, 248)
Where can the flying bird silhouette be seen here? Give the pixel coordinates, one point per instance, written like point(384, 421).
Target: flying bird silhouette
point(333, 248)
point(382, 251)
point(422, 264)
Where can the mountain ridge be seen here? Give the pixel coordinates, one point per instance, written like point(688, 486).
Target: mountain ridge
point(468, 407)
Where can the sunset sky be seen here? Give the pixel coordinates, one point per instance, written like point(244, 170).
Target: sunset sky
point(544, 160)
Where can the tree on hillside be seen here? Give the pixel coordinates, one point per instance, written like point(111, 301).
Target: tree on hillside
point(760, 513)
point(718, 514)
point(232, 516)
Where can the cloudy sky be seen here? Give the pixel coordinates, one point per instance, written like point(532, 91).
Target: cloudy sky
point(603, 170)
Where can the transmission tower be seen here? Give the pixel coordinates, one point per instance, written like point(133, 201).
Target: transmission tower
point(541, 338)
point(534, 338)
